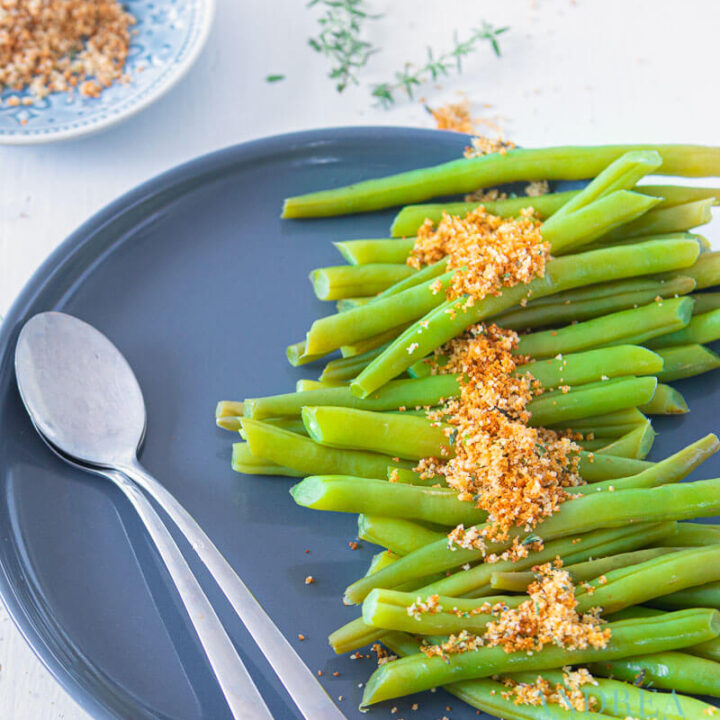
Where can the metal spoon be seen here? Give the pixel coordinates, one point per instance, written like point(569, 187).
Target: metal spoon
point(242, 695)
point(84, 398)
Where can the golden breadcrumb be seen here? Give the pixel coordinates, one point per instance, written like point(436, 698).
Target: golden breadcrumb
point(490, 252)
point(516, 473)
point(482, 195)
point(567, 694)
point(60, 45)
point(548, 617)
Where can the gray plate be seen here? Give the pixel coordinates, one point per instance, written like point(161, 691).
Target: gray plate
point(201, 285)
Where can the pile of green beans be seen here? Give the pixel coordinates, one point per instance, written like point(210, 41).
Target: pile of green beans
point(621, 313)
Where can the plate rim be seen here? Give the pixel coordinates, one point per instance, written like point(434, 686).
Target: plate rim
point(104, 122)
point(167, 182)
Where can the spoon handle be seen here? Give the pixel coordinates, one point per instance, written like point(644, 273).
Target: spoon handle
point(307, 693)
point(242, 696)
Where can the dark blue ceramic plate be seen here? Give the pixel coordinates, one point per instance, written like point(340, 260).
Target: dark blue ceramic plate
point(197, 280)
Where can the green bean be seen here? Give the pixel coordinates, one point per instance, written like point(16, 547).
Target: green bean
point(640, 324)
point(595, 220)
point(297, 354)
point(635, 444)
point(345, 304)
point(491, 696)
point(400, 393)
point(411, 217)
point(622, 419)
point(596, 467)
point(672, 469)
point(306, 384)
point(429, 272)
point(560, 274)
point(707, 595)
point(375, 250)
point(709, 649)
point(344, 281)
point(229, 408)
point(579, 572)
point(412, 437)
point(398, 535)
point(381, 560)
point(703, 328)
point(666, 401)
point(333, 331)
point(608, 509)
point(590, 399)
point(475, 582)
point(675, 671)
point(628, 638)
point(706, 302)
point(690, 534)
point(625, 700)
point(244, 461)
point(344, 493)
point(467, 175)
point(391, 610)
point(620, 174)
point(407, 436)
point(363, 346)
point(600, 434)
point(664, 220)
point(304, 456)
point(651, 579)
point(342, 369)
point(683, 361)
point(408, 221)
point(705, 271)
point(591, 365)
point(562, 312)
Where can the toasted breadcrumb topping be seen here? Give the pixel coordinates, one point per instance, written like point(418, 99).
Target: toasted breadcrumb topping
point(567, 694)
point(483, 145)
point(60, 45)
point(516, 473)
point(537, 188)
point(490, 252)
point(489, 195)
point(430, 606)
point(548, 617)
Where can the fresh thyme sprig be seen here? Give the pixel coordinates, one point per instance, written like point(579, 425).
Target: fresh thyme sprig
point(339, 38)
point(435, 68)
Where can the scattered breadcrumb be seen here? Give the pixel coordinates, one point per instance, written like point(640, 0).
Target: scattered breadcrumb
point(483, 145)
point(301, 636)
point(383, 656)
point(537, 188)
point(63, 45)
point(567, 694)
point(353, 544)
point(309, 580)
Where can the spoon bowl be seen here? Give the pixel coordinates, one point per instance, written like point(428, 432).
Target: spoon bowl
point(80, 391)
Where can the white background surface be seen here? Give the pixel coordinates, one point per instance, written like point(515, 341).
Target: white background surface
point(591, 71)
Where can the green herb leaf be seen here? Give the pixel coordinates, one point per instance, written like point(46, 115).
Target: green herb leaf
point(435, 66)
point(274, 78)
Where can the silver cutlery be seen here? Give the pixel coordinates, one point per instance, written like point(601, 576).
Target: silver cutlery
point(86, 403)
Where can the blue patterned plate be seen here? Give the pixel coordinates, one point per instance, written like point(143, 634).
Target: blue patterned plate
point(168, 37)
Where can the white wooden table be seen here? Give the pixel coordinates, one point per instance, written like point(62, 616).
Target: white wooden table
point(591, 71)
